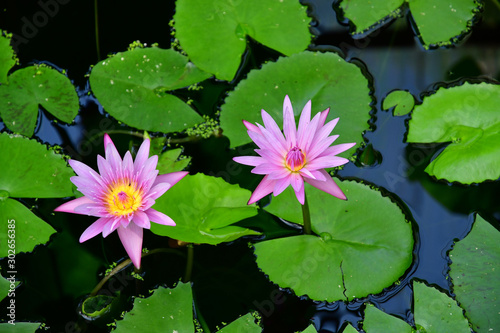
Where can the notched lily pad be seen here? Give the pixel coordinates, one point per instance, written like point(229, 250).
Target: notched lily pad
point(204, 209)
point(324, 78)
point(225, 25)
point(169, 161)
point(475, 272)
point(244, 324)
point(467, 117)
point(357, 253)
point(402, 101)
point(7, 56)
point(367, 15)
point(28, 88)
point(132, 86)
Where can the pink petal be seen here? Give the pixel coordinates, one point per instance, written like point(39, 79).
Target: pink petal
point(306, 173)
point(112, 225)
point(305, 118)
point(322, 117)
point(107, 140)
point(251, 127)
point(141, 219)
point(265, 187)
point(92, 209)
point(275, 137)
point(142, 156)
point(85, 171)
point(249, 160)
point(131, 238)
point(105, 170)
point(297, 181)
point(128, 166)
point(148, 174)
point(158, 217)
point(289, 127)
point(88, 187)
point(266, 168)
point(271, 156)
point(157, 191)
point(94, 229)
point(281, 185)
point(319, 147)
point(324, 132)
point(113, 158)
point(337, 149)
point(329, 186)
point(305, 139)
point(300, 194)
point(326, 162)
point(171, 178)
point(69, 207)
point(278, 174)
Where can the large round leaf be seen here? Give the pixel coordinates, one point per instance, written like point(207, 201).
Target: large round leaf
point(357, 252)
point(29, 87)
point(132, 87)
point(204, 208)
point(167, 310)
point(30, 230)
point(475, 272)
point(325, 78)
point(224, 24)
point(7, 56)
point(467, 116)
point(29, 170)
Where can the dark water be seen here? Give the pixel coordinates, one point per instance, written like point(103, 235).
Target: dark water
point(226, 280)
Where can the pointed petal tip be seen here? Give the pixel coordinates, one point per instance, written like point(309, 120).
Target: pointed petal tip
point(107, 140)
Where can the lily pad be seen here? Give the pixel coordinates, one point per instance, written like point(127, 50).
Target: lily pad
point(310, 329)
point(466, 116)
point(225, 24)
point(28, 88)
point(357, 253)
point(348, 329)
point(244, 324)
point(5, 285)
point(475, 272)
point(169, 161)
point(439, 23)
point(204, 209)
point(19, 327)
point(377, 321)
point(30, 170)
point(7, 56)
point(132, 86)
point(325, 78)
point(166, 310)
point(402, 101)
point(435, 312)
point(30, 230)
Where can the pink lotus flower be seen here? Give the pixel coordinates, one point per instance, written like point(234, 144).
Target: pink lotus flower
point(301, 155)
point(121, 195)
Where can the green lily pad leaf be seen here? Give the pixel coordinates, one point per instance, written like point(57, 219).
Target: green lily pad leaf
point(354, 250)
point(402, 101)
point(169, 161)
point(377, 321)
point(7, 285)
point(19, 327)
point(96, 306)
point(466, 116)
point(28, 88)
point(167, 310)
point(132, 87)
point(348, 329)
point(244, 324)
point(324, 78)
point(224, 25)
point(310, 329)
point(29, 170)
point(475, 272)
point(439, 23)
point(435, 312)
point(204, 209)
point(7, 56)
point(370, 14)
point(30, 230)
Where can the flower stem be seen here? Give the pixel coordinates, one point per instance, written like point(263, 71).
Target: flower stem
point(96, 28)
point(189, 263)
point(306, 216)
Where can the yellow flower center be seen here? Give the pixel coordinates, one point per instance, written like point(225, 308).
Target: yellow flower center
point(123, 198)
point(295, 159)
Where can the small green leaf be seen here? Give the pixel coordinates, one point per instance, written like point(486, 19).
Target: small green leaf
point(132, 86)
point(28, 88)
point(7, 285)
point(466, 116)
point(7, 56)
point(244, 324)
point(96, 306)
point(325, 78)
point(30, 170)
point(204, 208)
point(377, 321)
point(167, 310)
point(368, 14)
point(225, 24)
point(310, 329)
point(348, 329)
point(475, 272)
point(19, 327)
point(401, 100)
point(438, 22)
point(435, 312)
point(169, 161)
point(29, 229)
point(354, 251)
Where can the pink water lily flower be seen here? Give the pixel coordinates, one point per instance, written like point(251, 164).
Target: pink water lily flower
point(300, 155)
point(121, 195)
